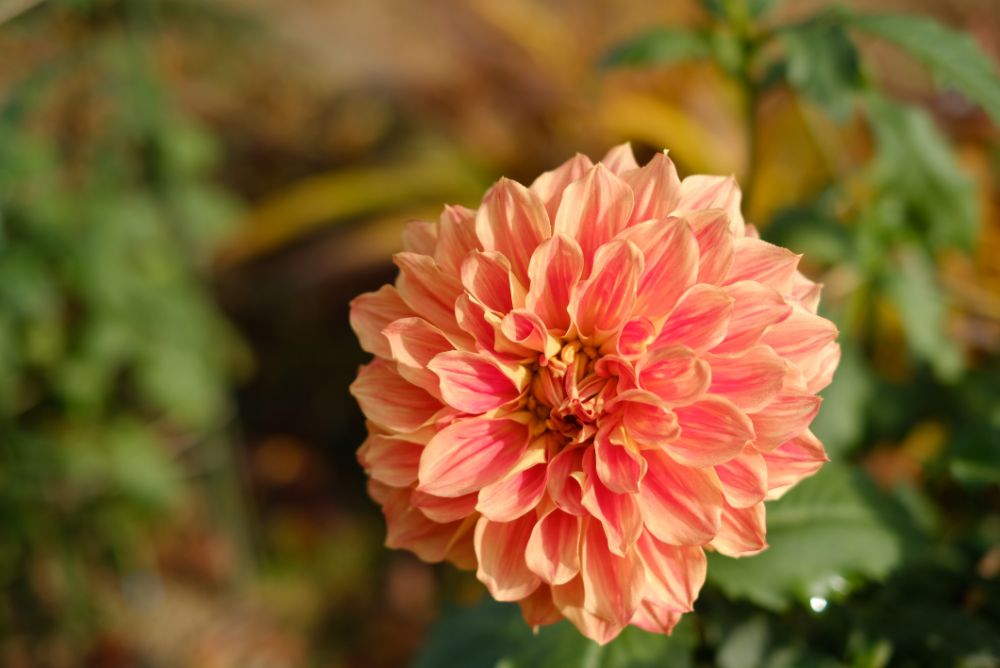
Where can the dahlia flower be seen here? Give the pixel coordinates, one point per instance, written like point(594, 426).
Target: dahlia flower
point(583, 385)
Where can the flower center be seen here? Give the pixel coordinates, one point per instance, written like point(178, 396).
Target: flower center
point(566, 396)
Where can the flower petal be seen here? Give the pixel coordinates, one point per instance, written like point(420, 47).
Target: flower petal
point(456, 237)
point(593, 210)
point(500, 547)
point(372, 312)
point(655, 619)
point(553, 551)
point(420, 236)
point(569, 598)
point(556, 266)
point(801, 338)
point(715, 244)
point(742, 531)
point(674, 374)
point(414, 342)
point(564, 484)
point(657, 189)
point(428, 290)
point(755, 308)
point(770, 265)
point(618, 464)
point(713, 431)
point(618, 513)
point(472, 383)
point(393, 460)
point(408, 528)
point(512, 220)
point(674, 574)
point(601, 304)
point(527, 331)
point(612, 584)
point(550, 186)
point(487, 277)
point(469, 454)
point(646, 419)
point(513, 496)
point(700, 191)
point(750, 380)
point(390, 401)
point(792, 461)
point(443, 508)
point(784, 418)
point(670, 254)
point(620, 159)
point(744, 478)
point(680, 505)
point(700, 319)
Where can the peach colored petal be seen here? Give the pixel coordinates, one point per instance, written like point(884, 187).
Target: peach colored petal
point(769, 265)
point(414, 342)
point(512, 220)
point(674, 374)
point(603, 303)
point(612, 584)
point(472, 383)
point(700, 319)
point(680, 505)
point(784, 418)
point(456, 238)
point(713, 431)
point(487, 277)
point(514, 495)
point(715, 244)
point(655, 619)
point(500, 547)
point(618, 464)
point(550, 186)
point(564, 483)
point(646, 419)
point(818, 371)
point(537, 608)
point(674, 574)
point(556, 266)
point(749, 379)
point(618, 513)
point(756, 307)
point(443, 508)
point(527, 331)
point(744, 478)
point(569, 599)
point(670, 255)
point(801, 338)
point(657, 189)
point(620, 159)
point(420, 236)
point(408, 528)
point(742, 531)
point(792, 461)
point(390, 401)
point(393, 460)
point(469, 454)
point(372, 312)
point(428, 290)
point(713, 192)
point(593, 210)
point(553, 551)
point(635, 337)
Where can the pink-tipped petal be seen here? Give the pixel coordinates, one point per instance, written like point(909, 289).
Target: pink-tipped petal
point(390, 401)
point(620, 159)
point(420, 236)
point(593, 210)
point(801, 338)
point(713, 192)
point(784, 418)
point(553, 551)
point(674, 374)
point(670, 255)
point(742, 532)
point(512, 220)
point(428, 290)
point(655, 619)
point(674, 574)
point(516, 494)
point(700, 319)
point(657, 189)
point(612, 584)
point(713, 431)
point(443, 508)
point(538, 609)
point(618, 513)
point(414, 342)
point(500, 547)
point(715, 244)
point(750, 379)
point(565, 481)
point(487, 277)
point(372, 312)
point(569, 599)
point(472, 383)
point(792, 461)
point(619, 465)
point(527, 331)
point(603, 303)
point(410, 529)
point(744, 478)
point(769, 265)
point(680, 505)
point(556, 266)
point(551, 185)
point(646, 418)
point(393, 460)
point(756, 307)
point(469, 454)
point(635, 337)
point(456, 237)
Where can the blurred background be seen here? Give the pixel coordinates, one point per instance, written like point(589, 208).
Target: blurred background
point(191, 192)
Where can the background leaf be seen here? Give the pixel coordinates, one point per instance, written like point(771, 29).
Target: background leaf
point(660, 46)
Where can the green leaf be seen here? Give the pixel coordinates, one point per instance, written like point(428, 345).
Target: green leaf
point(823, 65)
point(822, 533)
point(915, 168)
point(954, 56)
point(728, 9)
point(922, 307)
point(494, 635)
point(663, 45)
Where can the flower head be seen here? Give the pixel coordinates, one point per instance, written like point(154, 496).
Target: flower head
point(584, 384)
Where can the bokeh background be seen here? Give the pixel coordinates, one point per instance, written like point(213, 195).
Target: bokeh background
point(191, 192)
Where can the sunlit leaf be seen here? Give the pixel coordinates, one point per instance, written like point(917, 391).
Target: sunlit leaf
point(660, 46)
point(823, 64)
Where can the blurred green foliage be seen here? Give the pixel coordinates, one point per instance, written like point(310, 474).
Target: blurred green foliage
point(114, 363)
point(927, 540)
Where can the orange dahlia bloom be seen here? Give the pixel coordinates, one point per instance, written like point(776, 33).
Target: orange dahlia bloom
point(582, 385)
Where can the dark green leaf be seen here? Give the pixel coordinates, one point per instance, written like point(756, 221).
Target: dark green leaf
point(823, 65)
point(664, 45)
point(954, 56)
point(825, 531)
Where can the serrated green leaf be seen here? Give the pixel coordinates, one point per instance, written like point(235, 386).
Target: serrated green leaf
point(826, 530)
point(954, 56)
point(660, 46)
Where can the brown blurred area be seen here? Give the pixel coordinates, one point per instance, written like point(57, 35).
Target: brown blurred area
point(336, 122)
